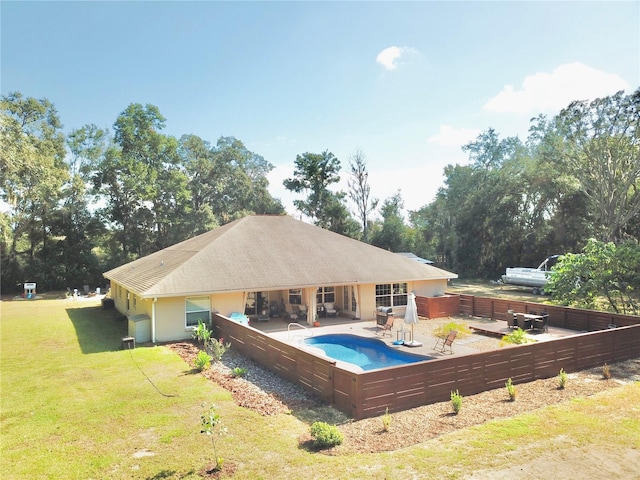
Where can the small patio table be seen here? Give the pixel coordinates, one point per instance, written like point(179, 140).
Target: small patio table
point(401, 335)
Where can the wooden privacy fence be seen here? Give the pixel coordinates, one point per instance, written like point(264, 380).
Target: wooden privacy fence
point(580, 320)
point(369, 394)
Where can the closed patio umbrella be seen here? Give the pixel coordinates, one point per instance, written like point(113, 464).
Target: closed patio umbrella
point(411, 317)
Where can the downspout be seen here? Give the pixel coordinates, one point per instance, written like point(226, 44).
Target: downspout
point(153, 320)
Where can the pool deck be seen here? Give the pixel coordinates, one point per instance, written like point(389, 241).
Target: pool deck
point(290, 332)
point(279, 329)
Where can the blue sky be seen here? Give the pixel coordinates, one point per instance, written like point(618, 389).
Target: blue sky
point(407, 83)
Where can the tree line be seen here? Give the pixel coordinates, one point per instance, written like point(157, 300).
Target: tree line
point(77, 204)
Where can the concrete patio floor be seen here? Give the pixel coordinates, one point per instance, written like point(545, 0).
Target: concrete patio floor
point(484, 329)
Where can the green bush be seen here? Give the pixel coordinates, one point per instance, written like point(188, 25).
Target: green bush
point(239, 372)
point(325, 435)
point(202, 361)
point(517, 337)
point(217, 348)
point(456, 401)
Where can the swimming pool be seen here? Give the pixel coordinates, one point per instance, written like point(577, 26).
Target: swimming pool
point(366, 353)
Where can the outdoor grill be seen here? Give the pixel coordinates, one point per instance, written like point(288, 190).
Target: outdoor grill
point(382, 313)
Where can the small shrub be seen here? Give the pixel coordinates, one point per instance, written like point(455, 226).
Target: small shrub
point(386, 420)
point(217, 348)
point(516, 337)
point(211, 425)
point(606, 371)
point(562, 378)
point(456, 401)
point(239, 372)
point(202, 361)
point(511, 390)
point(325, 435)
point(201, 333)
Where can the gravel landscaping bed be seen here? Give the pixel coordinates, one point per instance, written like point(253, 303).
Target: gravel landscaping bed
point(268, 394)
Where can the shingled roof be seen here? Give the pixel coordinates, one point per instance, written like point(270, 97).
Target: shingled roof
point(260, 253)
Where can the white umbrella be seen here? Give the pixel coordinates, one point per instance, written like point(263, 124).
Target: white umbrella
point(411, 317)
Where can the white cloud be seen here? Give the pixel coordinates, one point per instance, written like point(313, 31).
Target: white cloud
point(390, 57)
point(553, 91)
point(450, 137)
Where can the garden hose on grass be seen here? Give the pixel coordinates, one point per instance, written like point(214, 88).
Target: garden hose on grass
point(146, 376)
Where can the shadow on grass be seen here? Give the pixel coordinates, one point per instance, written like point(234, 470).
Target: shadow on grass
point(321, 413)
point(98, 330)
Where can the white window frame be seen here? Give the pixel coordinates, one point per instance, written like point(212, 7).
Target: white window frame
point(326, 295)
point(295, 296)
point(203, 312)
point(391, 294)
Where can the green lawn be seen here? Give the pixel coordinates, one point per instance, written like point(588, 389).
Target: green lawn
point(75, 405)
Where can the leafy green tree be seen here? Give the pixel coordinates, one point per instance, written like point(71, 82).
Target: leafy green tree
point(337, 217)
point(601, 149)
point(313, 174)
point(393, 234)
point(603, 272)
point(483, 216)
point(32, 172)
point(228, 180)
point(76, 228)
point(144, 185)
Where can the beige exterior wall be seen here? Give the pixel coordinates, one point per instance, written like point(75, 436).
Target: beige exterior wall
point(227, 303)
point(170, 312)
point(170, 320)
point(430, 288)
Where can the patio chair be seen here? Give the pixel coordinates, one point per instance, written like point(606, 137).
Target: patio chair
point(331, 309)
point(541, 323)
point(512, 321)
point(523, 323)
point(386, 327)
point(291, 313)
point(446, 342)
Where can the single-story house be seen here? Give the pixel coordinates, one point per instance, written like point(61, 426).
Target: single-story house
point(257, 266)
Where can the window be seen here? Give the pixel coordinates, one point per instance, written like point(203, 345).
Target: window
point(326, 295)
point(295, 296)
point(250, 306)
point(345, 297)
point(196, 308)
point(391, 295)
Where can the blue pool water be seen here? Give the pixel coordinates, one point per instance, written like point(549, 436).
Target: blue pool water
point(367, 353)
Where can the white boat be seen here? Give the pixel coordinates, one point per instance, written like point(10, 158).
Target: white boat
point(536, 278)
